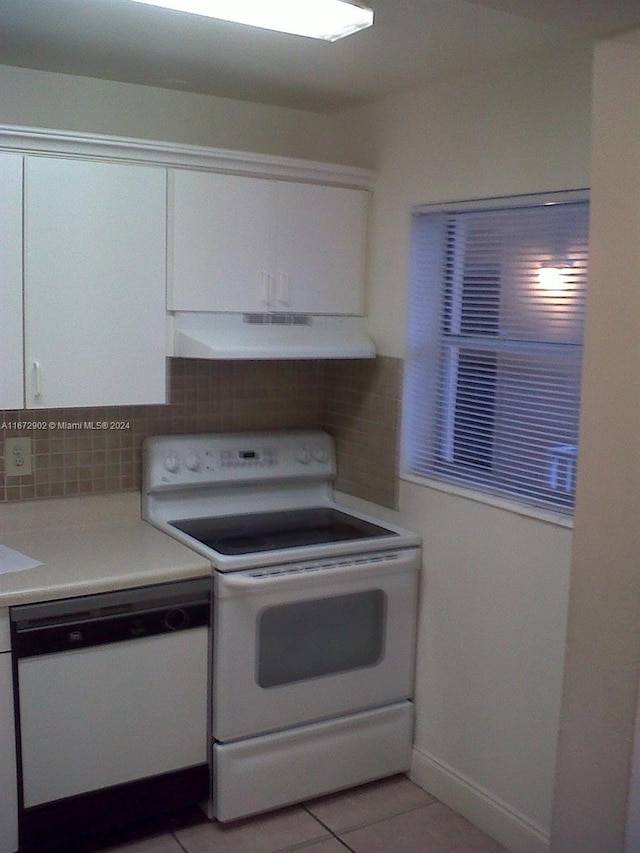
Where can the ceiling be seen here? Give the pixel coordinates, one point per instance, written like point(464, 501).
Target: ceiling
point(412, 42)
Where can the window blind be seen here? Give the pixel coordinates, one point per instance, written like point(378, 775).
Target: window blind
point(495, 324)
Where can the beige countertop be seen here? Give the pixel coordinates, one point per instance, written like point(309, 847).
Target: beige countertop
point(87, 545)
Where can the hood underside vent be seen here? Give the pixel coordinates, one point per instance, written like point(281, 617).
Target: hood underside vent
point(270, 336)
point(277, 319)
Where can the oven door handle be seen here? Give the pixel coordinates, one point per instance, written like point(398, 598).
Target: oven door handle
point(343, 570)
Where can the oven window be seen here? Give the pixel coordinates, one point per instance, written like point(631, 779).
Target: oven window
point(322, 636)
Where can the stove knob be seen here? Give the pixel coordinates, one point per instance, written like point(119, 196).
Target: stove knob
point(303, 455)
point(192, 462)
point(171, 463)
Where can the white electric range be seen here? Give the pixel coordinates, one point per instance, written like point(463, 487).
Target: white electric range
point(314, 614)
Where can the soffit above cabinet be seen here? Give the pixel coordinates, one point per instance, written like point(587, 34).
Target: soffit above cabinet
point(36, 141)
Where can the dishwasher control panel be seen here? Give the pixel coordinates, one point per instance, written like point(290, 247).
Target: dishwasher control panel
point(95, 620)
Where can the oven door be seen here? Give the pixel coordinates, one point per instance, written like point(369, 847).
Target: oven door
point(305, 642)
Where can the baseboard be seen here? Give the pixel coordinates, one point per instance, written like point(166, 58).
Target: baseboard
point(493, 816)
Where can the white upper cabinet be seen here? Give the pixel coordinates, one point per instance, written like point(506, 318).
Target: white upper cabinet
point(243, 244)
point(91, 256)
point(94, 278)
point(320, 249)
point(219, 242)
point(11, 353)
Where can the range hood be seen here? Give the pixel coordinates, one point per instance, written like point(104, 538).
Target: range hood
point(269, 336)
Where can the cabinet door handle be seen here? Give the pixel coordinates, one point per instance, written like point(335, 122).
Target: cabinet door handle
point(282, 294)
point(267, 288)
point(37, 380)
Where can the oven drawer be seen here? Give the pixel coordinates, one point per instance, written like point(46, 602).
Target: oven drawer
point(300, 645)
point(274, 770)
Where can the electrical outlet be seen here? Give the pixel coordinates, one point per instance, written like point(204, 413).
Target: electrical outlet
point(17, 457)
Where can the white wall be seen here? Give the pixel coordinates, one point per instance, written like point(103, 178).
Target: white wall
point(64, 102)
point(599, 708)
point(490, 656)
point(494, 591)
point(517, 130)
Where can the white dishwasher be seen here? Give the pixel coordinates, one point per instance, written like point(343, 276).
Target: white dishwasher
point(112, 708)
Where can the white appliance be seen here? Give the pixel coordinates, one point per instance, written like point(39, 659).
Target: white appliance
point(270, 335)
point(112, 710)
point(313, 620)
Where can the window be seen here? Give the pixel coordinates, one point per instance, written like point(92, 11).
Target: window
point(496, 309)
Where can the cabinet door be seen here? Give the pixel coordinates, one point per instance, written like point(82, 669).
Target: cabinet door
point(219, 242)
point(321, 245)
point(94, 283)
point(11, 355)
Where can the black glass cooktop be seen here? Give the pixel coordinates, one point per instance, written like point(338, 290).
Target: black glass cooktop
point(268, 531)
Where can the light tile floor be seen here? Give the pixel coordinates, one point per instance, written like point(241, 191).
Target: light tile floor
point(390, 816)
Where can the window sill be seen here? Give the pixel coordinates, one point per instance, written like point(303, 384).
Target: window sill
point(538, 513)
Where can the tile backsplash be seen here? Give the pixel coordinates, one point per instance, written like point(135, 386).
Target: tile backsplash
point(361, 410)
point(356, 401)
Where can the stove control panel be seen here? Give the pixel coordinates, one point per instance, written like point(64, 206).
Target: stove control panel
point(256, 456)
point(177, 461)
